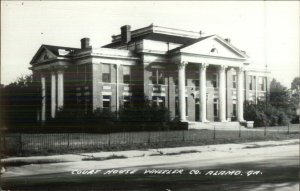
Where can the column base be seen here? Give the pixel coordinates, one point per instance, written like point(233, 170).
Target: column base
point(205, 121)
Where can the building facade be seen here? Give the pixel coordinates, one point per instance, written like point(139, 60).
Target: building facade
point(198, 78)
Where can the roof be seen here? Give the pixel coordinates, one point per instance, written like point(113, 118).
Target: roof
point(242, 53)
point(55, 49)
point(158, 33)
point(191, 43)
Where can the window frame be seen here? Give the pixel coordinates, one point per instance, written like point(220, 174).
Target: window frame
point(129, 75)
point(105, 100)
point(155, 79)
point(234, 81)
point(108, 78)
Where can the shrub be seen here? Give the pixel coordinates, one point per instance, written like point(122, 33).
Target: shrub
point(264, 114)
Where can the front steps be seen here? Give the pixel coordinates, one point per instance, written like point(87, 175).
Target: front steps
point(216, 125)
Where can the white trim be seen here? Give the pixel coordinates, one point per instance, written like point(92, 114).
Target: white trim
point(106, 93)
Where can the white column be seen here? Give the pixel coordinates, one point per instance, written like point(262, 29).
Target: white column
point(202, 72)
point(43, 114)
point(256, 94)
point(240, 93)
point(60, 89)
point(117, 88)
point(222, 93)
point(53, 94)
point(181, 90)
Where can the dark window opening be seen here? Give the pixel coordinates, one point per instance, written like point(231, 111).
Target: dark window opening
point(234, 79)
point(126, 75)
point(106, 101)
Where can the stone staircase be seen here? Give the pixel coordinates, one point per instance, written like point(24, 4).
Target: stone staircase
point(216, 125)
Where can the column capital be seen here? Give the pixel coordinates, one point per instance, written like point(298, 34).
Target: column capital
point(240, 69)
point(42, 74)
point(181, 64)
point(53, 72)
point(60, 69)
point(52, 69)
point(116, 66)
point(222, 67)
point(203, 66)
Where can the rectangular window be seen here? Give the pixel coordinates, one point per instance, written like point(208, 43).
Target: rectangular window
point(106, 73)
point(176, 106)
point(251, 82)
point(106, 101)
point(196, 79)
point(158, 76)
point(261, 83)
point(126, 74)
point(126, 101)
point(215, 81)
point(158, 101)
point(234, 80)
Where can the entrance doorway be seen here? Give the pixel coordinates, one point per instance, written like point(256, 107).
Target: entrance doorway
point(197, 109)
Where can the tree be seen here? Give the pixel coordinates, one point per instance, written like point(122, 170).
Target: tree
point(20, 100)
point(295, 85)
point(276, 110)
point(279, 96)
point(295, 98)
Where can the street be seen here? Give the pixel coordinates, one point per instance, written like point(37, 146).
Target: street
point(252, 168)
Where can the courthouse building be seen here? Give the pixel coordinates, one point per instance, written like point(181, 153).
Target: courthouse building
point(198, 78)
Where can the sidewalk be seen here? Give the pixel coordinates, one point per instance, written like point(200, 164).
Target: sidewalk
point(17, 161)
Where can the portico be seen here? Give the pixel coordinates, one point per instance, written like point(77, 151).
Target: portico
point(212, 52)
point(57, 90)
point(202, 95)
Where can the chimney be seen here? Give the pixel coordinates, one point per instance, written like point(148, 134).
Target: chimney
point(85, 43)
point(125, 34)
point(228, 40)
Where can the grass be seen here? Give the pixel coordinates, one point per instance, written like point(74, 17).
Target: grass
point(113, 156)
point(26, 162)
point(160, 153)
point(261, 146)
point(183, 152)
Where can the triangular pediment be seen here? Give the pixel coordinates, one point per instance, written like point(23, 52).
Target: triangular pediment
point(43, 54)
point(214, 46)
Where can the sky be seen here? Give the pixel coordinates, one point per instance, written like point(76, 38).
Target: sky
point(267, 31)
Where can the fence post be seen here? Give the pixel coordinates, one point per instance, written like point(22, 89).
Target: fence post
point(149, 137)
point(20, 142)
point(214, 132)
point(240, 131)
point(109, 139)
point(68, 140)
point(183, 138)
point(4, 142)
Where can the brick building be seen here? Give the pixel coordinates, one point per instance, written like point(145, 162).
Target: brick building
point(198, 78)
